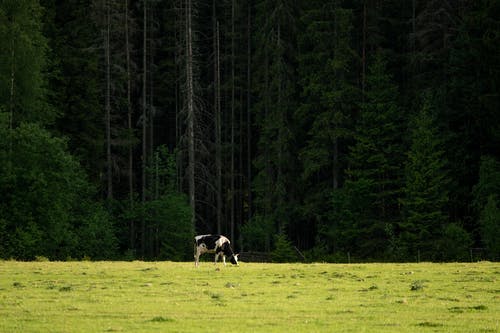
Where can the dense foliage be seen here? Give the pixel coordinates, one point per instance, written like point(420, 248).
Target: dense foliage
point(331, 129)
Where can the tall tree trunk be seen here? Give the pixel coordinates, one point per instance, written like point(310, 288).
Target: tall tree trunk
point(335, 173)
point(219, 136)
point(144, 124)
point(129, 124)
point(151, 113)
point(413, 24)
point(267, 165)
point(109, 175)
point(363, 57)
point(190, 112)
point(218, 150)
point(231, 197)
point(249, 117)
point(335, 165)
point(12, 80)
point(11, 101)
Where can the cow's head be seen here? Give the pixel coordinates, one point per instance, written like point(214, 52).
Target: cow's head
point(234, 259)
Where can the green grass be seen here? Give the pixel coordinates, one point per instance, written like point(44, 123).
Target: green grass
point(176, 297)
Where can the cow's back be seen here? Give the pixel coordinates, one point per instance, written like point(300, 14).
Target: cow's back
point(211, 241)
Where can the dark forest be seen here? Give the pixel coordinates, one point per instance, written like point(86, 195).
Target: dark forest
point(324, 130)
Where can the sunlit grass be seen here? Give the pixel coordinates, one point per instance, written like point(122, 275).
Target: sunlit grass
point(176, 297)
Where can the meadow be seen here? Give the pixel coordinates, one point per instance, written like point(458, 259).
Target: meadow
point(254, 297)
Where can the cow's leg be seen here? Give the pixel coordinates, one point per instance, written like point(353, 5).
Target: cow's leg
point(224, 259)
point(196, 256)
point(216, 258)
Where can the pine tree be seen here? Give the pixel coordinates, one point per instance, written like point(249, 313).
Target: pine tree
point(426, 186)
point(472, 102)
point(75, 84)
point(490, 227)
point(486, 206)
point(276, 89)
point(327, 63)
point(376, 159)
point(24, 51)
point(330, 89)
point(168, 214)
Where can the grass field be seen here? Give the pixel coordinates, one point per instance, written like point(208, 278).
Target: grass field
point(176, 297)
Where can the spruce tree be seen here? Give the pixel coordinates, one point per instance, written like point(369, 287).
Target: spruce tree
point(486, 205)
point(275, 86)
point(490, 227)
point(426, 186)
point(75, 88)
point(327, 62)
point(376, 159)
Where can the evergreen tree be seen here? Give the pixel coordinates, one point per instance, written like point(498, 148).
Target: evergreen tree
point(490, 227)
point(328, 84)
point(376, 160)
point(274, 162)
point(168, 214)
point(486, 207)
point(426, 186)
point(488, 183)
point(74, 87)
point(472, 104)
point(23, 78)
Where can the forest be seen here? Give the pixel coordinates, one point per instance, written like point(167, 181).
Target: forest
point(367, 129)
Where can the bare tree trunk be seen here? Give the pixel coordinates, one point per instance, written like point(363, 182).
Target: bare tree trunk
point(218, 162)
point(335, 162)
point(129, 123)
point(231, 195)
point(267, 166)
point(12, 80)
point(190, 112)
point(144, 124)
point(109, 174)
point(249, 117)
point(151, 113)
point(11, 101)
point(413, 24)
point(363, 57)
point(279, 176)
point(241, 178)
point(178, 70)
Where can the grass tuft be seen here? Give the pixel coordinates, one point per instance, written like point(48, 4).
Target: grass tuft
point(479, 307)
point(429, 324)
point(461, 309)
point(160, 319)
point(216, 296)
point(66, 288)
point(231, 285)
point(417, 285)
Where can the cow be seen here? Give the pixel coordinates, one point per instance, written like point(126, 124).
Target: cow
point(217, 244)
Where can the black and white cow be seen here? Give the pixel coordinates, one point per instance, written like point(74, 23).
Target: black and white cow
point(217, 244)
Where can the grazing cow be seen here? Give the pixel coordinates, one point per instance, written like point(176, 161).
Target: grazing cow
point(217, 244)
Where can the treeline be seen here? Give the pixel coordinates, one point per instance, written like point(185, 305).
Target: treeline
point(369, 128)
